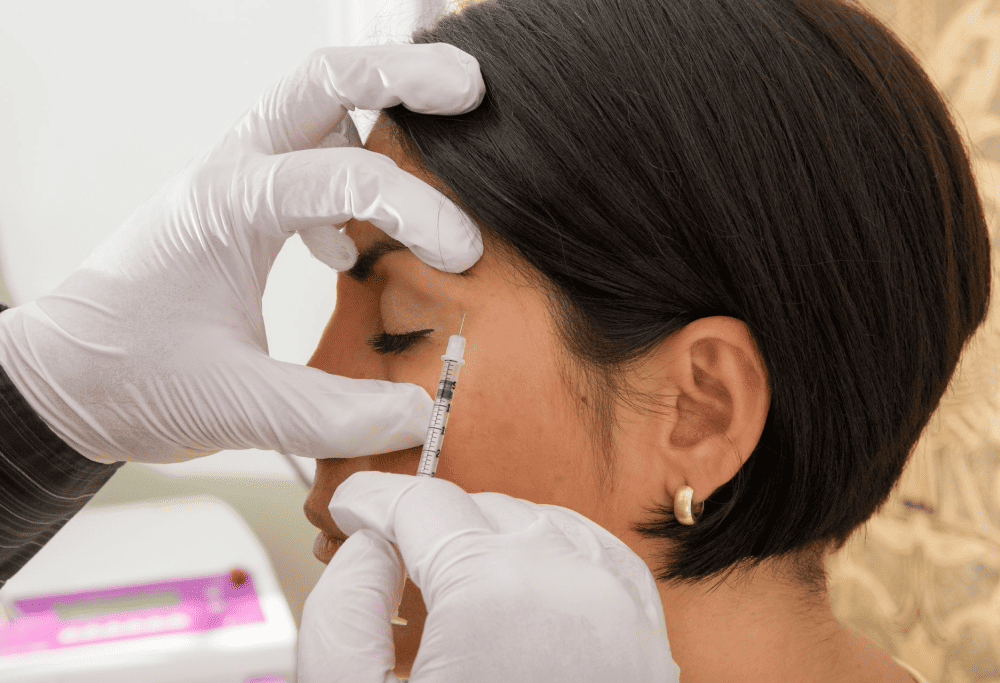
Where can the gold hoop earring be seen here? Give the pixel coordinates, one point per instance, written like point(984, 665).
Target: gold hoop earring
point(683, 509)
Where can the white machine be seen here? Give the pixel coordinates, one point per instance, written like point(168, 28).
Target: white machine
point(173, 591)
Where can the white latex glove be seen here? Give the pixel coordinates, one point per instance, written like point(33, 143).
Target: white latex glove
point(154, 348)
point(515, 592)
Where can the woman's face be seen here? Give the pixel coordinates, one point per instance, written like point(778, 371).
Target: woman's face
point(514, 426)
point(522, 422)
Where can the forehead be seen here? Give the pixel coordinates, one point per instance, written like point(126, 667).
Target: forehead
point(382, 141)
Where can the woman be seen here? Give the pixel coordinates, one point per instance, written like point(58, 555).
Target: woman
point(733, 245)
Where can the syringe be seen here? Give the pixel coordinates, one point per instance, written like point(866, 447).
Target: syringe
point(453, 361)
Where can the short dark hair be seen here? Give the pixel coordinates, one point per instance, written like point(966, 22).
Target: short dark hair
point(784, 162)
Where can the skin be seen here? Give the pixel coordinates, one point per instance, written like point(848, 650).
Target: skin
point(519, 425)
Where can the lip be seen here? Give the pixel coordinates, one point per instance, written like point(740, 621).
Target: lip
point(325, 546)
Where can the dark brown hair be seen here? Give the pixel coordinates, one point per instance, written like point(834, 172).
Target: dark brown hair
point(784, 162)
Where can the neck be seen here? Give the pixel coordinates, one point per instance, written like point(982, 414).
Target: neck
point(753, 631)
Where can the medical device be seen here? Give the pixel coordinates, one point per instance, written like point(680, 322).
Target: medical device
point(453, 360)
point(158, 592)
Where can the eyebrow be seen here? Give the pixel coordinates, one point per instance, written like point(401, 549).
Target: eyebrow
point(363, 268)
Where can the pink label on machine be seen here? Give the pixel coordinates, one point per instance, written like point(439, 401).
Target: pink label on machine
point(138, 611)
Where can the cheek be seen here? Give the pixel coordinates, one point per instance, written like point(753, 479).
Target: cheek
point(512, 427)
point(511, 430)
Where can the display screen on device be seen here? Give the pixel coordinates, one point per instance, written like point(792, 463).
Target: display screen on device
point(117, 604)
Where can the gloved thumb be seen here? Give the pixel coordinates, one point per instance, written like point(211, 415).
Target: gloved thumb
point(331, 246)
point(346, 634)
point(300, 410)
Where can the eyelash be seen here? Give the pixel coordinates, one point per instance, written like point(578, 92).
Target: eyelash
point(385, 343)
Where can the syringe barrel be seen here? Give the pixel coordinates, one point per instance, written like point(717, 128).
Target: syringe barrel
point(453, 362)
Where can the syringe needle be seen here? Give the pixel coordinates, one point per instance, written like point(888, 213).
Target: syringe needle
point(461, 326)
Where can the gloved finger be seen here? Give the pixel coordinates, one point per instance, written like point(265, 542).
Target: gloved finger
point(601, 547)
point(331, 246)
point(324, 187)
point(346, 633)
point(511, 515)
point(344, 134)
point(416, 514)
point(297, 112)
point(296, 409)
point(326, 242)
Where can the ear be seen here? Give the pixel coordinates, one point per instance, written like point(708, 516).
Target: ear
point(719, 382)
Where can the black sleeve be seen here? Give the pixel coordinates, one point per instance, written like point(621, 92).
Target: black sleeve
point(43, 482)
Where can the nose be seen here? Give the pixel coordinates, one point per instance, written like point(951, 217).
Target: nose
point(315, 509)
point(315, 517)
point(330, 473)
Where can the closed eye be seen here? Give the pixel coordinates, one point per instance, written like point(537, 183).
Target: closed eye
point(385, 343)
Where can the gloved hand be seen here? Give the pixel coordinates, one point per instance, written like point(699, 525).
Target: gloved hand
point(154, 348)
point(515, 591)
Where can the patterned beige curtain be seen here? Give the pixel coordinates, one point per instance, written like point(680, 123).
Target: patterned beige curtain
point(922, 579)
